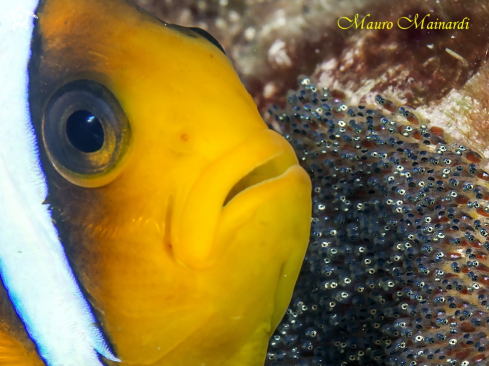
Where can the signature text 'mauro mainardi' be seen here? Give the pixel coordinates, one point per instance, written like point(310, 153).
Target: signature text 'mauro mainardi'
point(409, 22)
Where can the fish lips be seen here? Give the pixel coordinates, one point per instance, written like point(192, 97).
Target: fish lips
point(251, 175)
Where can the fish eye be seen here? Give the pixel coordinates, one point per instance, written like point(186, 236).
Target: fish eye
point(86, 133)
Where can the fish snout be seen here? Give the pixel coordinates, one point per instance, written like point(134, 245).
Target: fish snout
point(265, 158)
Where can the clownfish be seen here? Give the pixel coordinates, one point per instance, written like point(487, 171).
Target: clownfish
point(148, 216)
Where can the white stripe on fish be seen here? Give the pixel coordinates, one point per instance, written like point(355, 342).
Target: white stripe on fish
point(33, 265)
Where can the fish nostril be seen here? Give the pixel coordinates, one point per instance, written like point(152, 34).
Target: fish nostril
point(268, 170)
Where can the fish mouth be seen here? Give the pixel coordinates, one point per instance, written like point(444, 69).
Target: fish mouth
point(262, 158)
point(265, 172)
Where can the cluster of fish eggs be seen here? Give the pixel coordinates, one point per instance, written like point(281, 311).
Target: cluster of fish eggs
point(396, 272)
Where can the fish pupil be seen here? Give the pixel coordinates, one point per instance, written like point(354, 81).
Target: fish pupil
point(84, 131)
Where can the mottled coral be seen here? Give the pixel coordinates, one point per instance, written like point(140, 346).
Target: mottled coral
point(464, 112)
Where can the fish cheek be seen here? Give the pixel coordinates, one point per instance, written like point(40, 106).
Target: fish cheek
point(145, 301)
point(120, 271)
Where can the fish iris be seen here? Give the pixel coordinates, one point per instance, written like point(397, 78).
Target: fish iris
point(396, 270)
